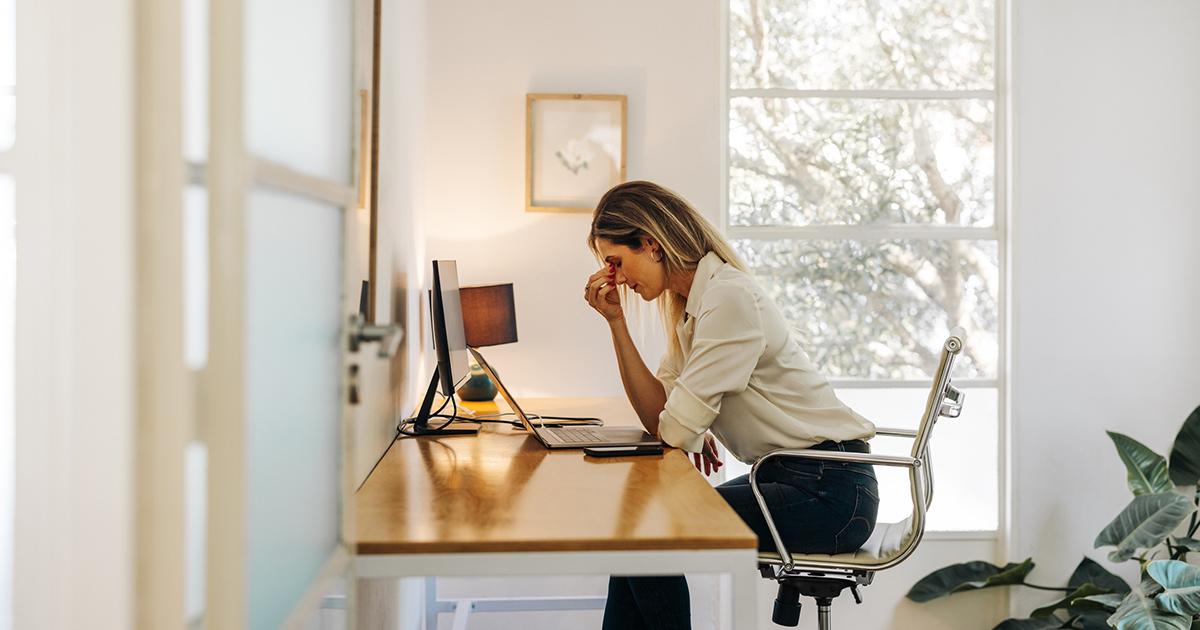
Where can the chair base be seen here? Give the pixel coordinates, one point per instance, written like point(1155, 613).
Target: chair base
point(822, 586)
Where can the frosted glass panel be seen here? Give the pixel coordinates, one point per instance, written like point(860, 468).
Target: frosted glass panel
point(195, 80)
point(293, 361)
point(195, 277)
point(8, 301)
point(195, 489)
point(299, 84)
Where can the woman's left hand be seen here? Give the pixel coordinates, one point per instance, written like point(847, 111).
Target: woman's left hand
point(709, 456)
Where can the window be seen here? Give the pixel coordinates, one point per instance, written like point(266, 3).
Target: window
point(865, 190)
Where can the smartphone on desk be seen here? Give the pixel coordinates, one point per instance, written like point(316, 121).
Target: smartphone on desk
point(622, 451)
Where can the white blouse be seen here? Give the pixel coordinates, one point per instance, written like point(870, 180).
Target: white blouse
point(743, 375)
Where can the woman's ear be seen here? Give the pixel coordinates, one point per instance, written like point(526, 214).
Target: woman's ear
point(651, 243)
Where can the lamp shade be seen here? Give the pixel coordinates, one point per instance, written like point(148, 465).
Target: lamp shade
point(489, 314)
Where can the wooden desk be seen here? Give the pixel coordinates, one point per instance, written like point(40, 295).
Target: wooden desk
point(501, 504)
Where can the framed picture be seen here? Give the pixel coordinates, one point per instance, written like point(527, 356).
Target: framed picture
point(574, 150)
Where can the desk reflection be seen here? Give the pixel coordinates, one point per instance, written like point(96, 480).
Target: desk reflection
point(474, 487)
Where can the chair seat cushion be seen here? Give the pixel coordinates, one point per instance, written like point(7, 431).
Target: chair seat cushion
point(886, 542)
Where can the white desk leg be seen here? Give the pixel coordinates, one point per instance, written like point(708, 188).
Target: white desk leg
point(745, 598)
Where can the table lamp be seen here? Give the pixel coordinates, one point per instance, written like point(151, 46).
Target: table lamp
point(489, 319)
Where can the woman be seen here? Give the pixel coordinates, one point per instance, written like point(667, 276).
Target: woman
point(733, 370)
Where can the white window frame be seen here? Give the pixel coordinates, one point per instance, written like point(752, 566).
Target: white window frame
point(998, 231)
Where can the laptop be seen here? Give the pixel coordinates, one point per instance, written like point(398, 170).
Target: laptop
point(570, 437)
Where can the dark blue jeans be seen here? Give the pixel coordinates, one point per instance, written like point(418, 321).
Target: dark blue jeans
point(818, 507)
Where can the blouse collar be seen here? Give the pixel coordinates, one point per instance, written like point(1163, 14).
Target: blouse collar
point(705, 270)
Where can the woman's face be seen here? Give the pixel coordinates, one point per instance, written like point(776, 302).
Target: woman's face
point(636, 268)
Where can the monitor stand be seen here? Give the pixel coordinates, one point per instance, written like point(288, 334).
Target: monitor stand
point(421, 423)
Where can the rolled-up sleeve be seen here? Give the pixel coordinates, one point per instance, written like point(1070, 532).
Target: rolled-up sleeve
point(728, 342)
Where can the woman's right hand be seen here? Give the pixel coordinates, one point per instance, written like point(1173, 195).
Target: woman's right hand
point(601, 294)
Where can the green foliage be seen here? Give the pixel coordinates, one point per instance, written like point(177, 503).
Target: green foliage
point(1185, 455)
point(1147, 469)
point(1168, 597)
point(1090, 572)
point(1139, 611)
point(968, 576)
point(1181, 584)
point(1144, 523)
point(1087, 590)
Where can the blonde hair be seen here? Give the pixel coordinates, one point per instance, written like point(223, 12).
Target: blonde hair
point(632, 211)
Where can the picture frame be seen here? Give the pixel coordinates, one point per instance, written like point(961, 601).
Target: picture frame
point(574, 149)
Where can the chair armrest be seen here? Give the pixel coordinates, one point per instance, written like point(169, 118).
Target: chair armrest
point(838, 456)
point(908, 433)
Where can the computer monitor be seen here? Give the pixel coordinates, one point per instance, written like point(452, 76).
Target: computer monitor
point(450, 342)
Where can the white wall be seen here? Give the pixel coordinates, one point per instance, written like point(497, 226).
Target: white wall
point(1106, 262)
point(483, 58)
point(74, 557)
point(393, 388)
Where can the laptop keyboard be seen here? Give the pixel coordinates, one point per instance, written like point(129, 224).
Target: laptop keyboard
point(576, 435)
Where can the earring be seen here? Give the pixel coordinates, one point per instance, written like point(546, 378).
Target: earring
point(657, 260)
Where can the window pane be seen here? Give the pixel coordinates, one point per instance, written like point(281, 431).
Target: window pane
point(964, 455)
point(882, 309)
point(833, 44)
point(857, 161)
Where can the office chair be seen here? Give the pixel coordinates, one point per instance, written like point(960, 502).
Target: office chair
point(824, 577)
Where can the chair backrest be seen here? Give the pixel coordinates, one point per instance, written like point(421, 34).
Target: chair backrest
point(944, 399)
point(897, 543)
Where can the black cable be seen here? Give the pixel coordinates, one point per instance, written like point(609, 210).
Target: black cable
point(408, 421)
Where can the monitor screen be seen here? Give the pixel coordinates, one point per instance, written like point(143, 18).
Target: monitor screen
point(448, 337)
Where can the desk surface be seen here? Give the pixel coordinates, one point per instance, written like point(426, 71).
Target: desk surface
point(501, 491)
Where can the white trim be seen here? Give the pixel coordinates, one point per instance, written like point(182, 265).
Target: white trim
point(863, 383)
point(164, 392)
point(987, 534)
point(629, 562)
point(8, 161)
point(1005, 143)
point(863, 232)
point(906, 95)
point(723, 114)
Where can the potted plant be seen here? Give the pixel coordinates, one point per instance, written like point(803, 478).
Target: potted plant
point(1147, 531)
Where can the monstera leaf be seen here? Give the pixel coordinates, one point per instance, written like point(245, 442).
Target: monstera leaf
point(1090, 572)
point(1147, 469)
point(1087, 590)
point(1144, 523)
point(1029, 624)
point(1181, 584)
point(1185, 454)
point(1140, 612)
point(1088, 620)
point(966, 577)
point(1108, 602)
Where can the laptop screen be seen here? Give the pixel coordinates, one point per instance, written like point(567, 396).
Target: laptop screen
point(503, 390)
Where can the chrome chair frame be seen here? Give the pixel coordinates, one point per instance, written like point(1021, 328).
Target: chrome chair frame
point(823, 577)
